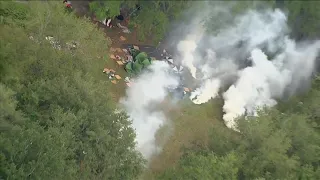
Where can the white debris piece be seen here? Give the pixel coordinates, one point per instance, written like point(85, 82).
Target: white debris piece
point(129, 58)
point(104, 21)
point(53, 42)
point(127, 79)
point(108, 22)
point(175, 69)
point(124, 28)
point(72, 45)
point(180, 68)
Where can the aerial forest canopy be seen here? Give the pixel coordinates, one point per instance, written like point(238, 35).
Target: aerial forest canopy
point(58, 121)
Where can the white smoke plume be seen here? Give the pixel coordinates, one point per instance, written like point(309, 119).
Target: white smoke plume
point(149, 90)
point(259, 81)
point(254, 28)
point(253, 89)
point(209, 90)
point(259, 86)
point(187, 48)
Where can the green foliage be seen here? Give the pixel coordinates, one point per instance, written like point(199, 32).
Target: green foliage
point(150, 20)
point(56, 119)
point(105, 9)
point(266, 147)
point(154, 16)
point(141, 61)
point(12, 13)
point(137, 67)
point(206, 167)
point(304, 18)
point(10, 118)
point(141, 57)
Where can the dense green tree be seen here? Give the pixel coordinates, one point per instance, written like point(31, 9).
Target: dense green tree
point(57, 121)
point(303, 18)
point(265, 147)
point(204, 167)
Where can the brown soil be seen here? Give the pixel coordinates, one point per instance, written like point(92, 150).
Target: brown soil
point(81, 9)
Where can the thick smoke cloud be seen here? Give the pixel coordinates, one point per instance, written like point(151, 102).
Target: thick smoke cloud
point(208, 90)
point(235, 58)
point(253, 88)
point(250, 61)
point(267, 80)
point(149, 90)
point(187, 48)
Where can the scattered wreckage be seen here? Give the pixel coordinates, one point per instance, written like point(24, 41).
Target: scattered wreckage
point(112, 75)
point(138, 61)
point(134, 63)
point(109, 23)
point(70, 46)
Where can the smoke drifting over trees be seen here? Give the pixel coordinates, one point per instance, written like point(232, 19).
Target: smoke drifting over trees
point(263, 82)
point(58, 120)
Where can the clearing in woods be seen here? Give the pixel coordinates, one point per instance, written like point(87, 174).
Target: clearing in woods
point(190, 122)
point(118, 39)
